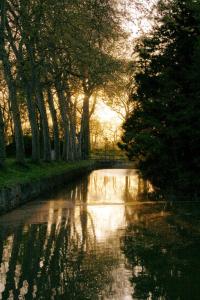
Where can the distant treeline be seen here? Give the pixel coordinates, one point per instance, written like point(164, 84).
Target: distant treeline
point(163, 133)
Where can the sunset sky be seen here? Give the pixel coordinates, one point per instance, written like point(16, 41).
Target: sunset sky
point(136, 23)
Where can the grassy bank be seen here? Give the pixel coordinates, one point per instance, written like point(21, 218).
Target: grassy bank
point(14, 174)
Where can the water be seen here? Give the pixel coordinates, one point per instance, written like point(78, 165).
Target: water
point(101, 238)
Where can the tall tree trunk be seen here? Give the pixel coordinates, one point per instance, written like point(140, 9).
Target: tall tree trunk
point(85, 128)
point(28, 84)
point(55, 124)
point(14, 105)
point(2, 141)
point(65, 121)
point(33, 123)
point(45, 126)
point(73, 132)
point(69, 106)
point(11, 87)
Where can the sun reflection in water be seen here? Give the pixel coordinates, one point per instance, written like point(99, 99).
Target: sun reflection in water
point(98, 239)
point(77, 231)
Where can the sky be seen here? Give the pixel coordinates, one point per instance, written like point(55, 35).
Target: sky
point(135, 23)
point(106, 114)
point(138, 12)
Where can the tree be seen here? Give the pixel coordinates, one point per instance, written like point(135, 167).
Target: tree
point(2, 141)
point(163, 132)
point(117, 94)
point(66, 53)
point(11, 82)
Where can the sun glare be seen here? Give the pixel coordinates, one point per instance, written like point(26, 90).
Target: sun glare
point(105, 114)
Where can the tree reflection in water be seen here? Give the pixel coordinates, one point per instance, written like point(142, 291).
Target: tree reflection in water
point(55, 259)
point(101, 239)
point(163, 249)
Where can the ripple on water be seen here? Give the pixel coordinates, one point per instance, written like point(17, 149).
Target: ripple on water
point(97, 240)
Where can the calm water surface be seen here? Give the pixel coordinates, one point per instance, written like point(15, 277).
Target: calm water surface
point(101, 239)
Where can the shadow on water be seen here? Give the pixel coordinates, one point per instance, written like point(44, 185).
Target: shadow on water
point(101, 238)
point(162, 245)
point(54, 259)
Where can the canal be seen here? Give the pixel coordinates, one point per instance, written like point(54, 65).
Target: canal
point(101, 238)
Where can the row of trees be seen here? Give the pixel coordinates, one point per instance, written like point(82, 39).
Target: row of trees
point(54, 55)
point(163, 132)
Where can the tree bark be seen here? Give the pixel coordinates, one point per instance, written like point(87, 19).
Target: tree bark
point(73, 131)
point(65, 121)
point(45, 126)
point(28, 86)
point(85, 128)
point(55, 124)
point(13, 104)
point(70, 117)
point(11, 87)
point(2, 142)
point(33, 123)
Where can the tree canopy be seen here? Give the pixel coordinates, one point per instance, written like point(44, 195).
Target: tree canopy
point(51, 53)
point(163, 133)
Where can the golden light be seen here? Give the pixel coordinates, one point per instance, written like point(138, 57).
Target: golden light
point(105, 114)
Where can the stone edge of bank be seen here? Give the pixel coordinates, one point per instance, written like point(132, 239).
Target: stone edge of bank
point(14, 196)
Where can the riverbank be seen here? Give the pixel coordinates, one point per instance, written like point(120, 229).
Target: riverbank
point(20, 184)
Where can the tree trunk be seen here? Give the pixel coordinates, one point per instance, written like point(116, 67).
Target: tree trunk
point(11, 87)
point(34, 125)
point(69, 106)
point(45, 126)
point(28, 84)
point(55, 124)
point(65, 121)
point(14, 105)
point(73, 132)
point(2, 142)
point(85, 128)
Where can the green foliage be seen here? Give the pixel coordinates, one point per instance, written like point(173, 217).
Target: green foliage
point(163, 133)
